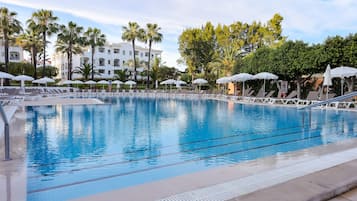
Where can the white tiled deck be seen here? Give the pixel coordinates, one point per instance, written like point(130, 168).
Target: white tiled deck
point(235, 188)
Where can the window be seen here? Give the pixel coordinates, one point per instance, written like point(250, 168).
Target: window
point(146, 54)
point(101, 71)
point(123, 62)
point(136, 53)
point(14, 56)
point(116, 51)
point(108, 72)
point(108, 51)
point(101, 49)
point(108, 61)
point(123, 52)
point(116, 62)
point(101, 62)
point(85, 60)
point(141, 54)
point(130, 53)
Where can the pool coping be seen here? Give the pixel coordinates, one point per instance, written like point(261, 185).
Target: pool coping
point(185, 187)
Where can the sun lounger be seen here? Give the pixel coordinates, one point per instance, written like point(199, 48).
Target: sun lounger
point(312, 97)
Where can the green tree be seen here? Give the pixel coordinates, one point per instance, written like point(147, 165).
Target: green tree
point(121, 74)
point(131, 33)
point(155, 69)
point(69, 41)
point(45, 22)
point(197, 48)
point(152, 34)
point(85, 70)
point(9, 26)
point(50, 71)
point(31, 41)
point(94, 38)
point(18, 68)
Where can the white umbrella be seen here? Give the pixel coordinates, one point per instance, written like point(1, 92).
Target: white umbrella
point(76, 82)
point(168, 82)
point(223, 80)
point(118, 83)
point(103, 82)
point(3, 76)
point(343, 72)
point(90, 82)
point(265, 76)
point(47, 80)
point(44, 80)
point(179, 83)
point(67, 82)
point(242, 77)
point(327, 79)
point(200, 82)
point(130, 82)
point(23, 78)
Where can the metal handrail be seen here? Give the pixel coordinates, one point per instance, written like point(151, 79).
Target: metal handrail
point(336, 99)
point(6, 133)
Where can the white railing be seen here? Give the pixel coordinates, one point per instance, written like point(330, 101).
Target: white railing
point(331, 100)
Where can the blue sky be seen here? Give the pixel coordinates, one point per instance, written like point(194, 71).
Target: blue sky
point(308, 20)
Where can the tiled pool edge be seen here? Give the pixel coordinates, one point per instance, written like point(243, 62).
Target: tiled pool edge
point(236, 188)
point(186, 183)
point(312, 187)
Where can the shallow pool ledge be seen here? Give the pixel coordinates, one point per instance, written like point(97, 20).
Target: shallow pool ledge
point(233, 182)
point(62, 101)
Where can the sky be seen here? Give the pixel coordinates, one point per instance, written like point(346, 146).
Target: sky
point(309, 20)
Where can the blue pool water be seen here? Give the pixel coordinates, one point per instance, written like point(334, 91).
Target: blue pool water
point(76, 151)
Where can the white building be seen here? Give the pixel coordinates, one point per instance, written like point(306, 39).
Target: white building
point(15, 53)
point(107, 59)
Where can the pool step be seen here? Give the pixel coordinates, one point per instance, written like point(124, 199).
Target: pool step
point(320, 179)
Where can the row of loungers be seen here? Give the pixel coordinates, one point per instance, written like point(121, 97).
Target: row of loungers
point(289, 100)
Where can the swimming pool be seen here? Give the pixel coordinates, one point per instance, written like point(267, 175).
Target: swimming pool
point(75, 151)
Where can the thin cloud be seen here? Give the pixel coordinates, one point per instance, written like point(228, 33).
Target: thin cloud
point(305, 19)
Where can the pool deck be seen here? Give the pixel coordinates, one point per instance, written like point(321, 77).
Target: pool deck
point(318, 173)
point(324, 177)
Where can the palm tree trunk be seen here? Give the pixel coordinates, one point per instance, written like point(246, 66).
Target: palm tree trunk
point(6, 46)
point(68, 68)
point(34, 61)
point(70, 64)
point(133, 42)
point(93, 49)
point(70, 60)
point(44, 53)
point(148, 78)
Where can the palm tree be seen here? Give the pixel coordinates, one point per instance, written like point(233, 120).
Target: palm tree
point(45, 22)
point(31, 42)
point(155, 69)
point(152, 35)
point(121, 74)
point(69, 41)
point(94, 38)
point(131, 33)
point(9, 26)
point(85, 71)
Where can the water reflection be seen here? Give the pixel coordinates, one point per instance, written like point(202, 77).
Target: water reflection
point(139, 139)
